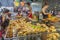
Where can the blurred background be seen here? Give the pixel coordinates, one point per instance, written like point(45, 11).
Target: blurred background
point(54, 4)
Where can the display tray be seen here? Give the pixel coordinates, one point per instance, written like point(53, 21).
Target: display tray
point(31, 37)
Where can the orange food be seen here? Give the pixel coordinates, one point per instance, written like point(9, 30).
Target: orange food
point(49, 15)
point(49, 19)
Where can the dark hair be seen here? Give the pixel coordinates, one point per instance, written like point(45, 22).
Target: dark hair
point(45, 3)
point(28, 3)
point(5, 10)
point(18, 13)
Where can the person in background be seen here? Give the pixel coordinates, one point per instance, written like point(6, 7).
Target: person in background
point(30, 14)
point(5, 21)
point(22, 4)
point(22, 8)
point(19, 15)
point(28, 6)
point(5, 18)
point(15, 9)
point(45, 14)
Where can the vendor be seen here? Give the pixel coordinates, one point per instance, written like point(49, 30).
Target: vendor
point(45, 14)
point(5, 18)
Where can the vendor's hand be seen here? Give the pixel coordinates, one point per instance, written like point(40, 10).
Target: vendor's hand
point(3, 18)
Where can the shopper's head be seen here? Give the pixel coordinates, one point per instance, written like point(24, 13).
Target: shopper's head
point(5, 11)
point(28, 3)
point(22, 3)
point(46, 6)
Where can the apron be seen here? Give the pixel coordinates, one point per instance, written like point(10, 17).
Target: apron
point(44, 16)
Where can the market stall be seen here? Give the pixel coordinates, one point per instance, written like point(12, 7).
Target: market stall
point(31, 22)
point(21, 30)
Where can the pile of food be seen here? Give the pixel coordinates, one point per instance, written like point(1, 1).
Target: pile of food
point(20, 27)
point(53, 19)
point(52, 34)
point(24, 28)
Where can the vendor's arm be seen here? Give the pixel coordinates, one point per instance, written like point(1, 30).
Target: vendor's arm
point(44, 9)
point(3, 18)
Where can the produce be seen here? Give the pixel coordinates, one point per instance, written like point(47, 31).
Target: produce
point(49, 15)
point(53, 36)
point(53, 19)
point(52, 29)
point(23, 28)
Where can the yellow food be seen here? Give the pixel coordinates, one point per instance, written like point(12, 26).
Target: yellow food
point(24, 28)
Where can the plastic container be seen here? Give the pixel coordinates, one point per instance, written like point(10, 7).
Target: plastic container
point(29, 37)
